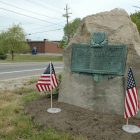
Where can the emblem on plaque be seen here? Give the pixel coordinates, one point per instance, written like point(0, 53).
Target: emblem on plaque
point(98, 39)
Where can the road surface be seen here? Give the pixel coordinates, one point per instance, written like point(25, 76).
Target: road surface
point(9, 71)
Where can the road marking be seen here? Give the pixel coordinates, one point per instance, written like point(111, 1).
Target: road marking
point(21, 63)
point(33, 76)
point(20, 78)
point(26, 70)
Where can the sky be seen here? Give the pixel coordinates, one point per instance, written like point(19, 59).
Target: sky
point(43, 19)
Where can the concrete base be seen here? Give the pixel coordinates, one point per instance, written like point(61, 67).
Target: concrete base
point(53, 110)
point(131, 129)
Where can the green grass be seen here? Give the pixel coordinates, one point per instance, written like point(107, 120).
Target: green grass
point(15, 124)
point(32, 58)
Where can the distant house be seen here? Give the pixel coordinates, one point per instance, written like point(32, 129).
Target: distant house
point(45, 46)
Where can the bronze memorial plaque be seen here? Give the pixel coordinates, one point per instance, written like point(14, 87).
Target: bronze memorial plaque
point(105, 60)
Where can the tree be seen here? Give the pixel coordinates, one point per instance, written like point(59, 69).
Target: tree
point(135, 17)
point(13, 40)
point(3, 49)
point(69, 31)
point(63, 42)
point(72, 27)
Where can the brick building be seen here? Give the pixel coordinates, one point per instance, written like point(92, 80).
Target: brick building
point(45, 46)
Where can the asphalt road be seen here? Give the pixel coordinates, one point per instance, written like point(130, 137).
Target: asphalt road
point(9, 71)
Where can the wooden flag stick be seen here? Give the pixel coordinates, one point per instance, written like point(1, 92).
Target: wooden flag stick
point(127, 121)
point(51, 98)
point(51, 82)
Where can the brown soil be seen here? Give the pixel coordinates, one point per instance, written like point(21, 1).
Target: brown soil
point(79, 121)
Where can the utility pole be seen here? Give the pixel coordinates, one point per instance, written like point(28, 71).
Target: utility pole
point(67, 20)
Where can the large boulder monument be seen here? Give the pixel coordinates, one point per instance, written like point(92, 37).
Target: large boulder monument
point(96, 62)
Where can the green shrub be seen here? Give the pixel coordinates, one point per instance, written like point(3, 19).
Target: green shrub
point(3, 56)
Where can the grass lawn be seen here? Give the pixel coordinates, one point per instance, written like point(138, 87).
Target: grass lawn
point(32, 58)
point(15, 124)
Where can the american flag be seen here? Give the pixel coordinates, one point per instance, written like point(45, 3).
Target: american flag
point(131, 98)
point(48, 80)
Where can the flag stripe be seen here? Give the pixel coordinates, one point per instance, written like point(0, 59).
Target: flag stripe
point(41, 86)
point(130, 94)
point(126, 110)
point(136, 96)
point(47, 89)
point(129, 108)
point(52, 82)
point(38, 87)
point(133, 100)
point(133, 95)
point(44, 82)
point(55, 80)
point(125, 114)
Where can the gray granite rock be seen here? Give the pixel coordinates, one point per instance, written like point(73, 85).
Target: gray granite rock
point(106, 95)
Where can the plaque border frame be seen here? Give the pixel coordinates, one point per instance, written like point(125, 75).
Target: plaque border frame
point(101, 72)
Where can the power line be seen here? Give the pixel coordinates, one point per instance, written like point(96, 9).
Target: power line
point(50, 6)
point(42, 5)
point(27, 10)
point(45, 31)
point(24, 24)
point(30, 23)
point(26, 15)
point(21, 22)
point(35, 32)
point(45, 26)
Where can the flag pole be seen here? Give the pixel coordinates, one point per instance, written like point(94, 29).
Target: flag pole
point(51, 83)
point(51, 86)
point(127, 121)
point(51, 98)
